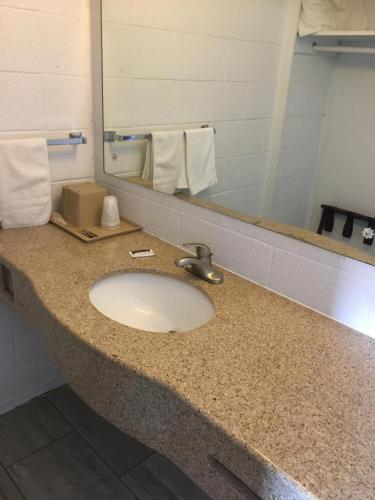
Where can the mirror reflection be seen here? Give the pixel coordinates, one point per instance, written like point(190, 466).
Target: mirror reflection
point(221, 100)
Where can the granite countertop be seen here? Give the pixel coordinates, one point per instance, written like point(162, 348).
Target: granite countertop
point(278, 379)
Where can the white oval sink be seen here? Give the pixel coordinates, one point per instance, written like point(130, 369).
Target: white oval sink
point(151, 302)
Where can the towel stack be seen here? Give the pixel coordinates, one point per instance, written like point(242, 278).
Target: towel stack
point(181, 160)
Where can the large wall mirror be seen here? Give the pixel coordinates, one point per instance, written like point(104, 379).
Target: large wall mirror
point(178, 65)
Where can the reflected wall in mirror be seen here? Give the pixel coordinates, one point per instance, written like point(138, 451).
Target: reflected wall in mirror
point(224, 63)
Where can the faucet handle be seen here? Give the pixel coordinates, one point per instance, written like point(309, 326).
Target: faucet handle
point(202, 249)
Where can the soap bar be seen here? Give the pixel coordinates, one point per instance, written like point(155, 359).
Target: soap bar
point(81, 203)
point(145, 252)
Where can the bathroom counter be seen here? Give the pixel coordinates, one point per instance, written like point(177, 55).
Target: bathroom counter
point(268, 395)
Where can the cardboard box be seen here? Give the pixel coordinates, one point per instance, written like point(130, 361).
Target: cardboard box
point(82, 203)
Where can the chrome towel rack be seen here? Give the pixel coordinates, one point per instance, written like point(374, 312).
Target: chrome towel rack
point(112, 136)
point(74, 139)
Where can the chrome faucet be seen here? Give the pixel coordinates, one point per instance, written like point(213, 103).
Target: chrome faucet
point(201, 264)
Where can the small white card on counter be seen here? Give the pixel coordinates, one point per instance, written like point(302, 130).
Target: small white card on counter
point(145, 252)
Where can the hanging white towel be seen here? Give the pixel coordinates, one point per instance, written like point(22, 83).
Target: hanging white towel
point(147, 172)
point(332, 15)
point(165, 160)
point(200, 159)
point(25, 187)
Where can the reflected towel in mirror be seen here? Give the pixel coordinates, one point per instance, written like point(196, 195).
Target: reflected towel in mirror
point(200, 159)
point(165, 160)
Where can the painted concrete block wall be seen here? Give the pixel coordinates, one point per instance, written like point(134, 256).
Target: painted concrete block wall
point(298, 162)
point(45, 91)
point(370, 8)
point(45, 78)
point(214, 63)
point(25, 369)
point(346, 176)
point(331, 284)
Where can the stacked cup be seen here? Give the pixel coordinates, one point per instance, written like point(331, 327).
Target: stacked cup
point(110, 213)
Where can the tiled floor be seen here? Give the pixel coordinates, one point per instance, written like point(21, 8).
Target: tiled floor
point(56, 448)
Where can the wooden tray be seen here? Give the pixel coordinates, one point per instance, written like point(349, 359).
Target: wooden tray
point(93, 233)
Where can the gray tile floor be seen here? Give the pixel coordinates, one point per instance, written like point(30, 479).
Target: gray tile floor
point(56, 448)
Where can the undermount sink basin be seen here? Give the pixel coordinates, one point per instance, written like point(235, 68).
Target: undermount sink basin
point(151, 302)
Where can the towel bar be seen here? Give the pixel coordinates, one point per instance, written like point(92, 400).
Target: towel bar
point(111, 136)
point(343, 49)
point(73, 140)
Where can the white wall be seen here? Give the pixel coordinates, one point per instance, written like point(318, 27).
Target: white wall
point(307, 96)
point(25, 369)
point(45, 78)
point(45, 90)
point(370, 7)
point(214, 63)
point(346, 176)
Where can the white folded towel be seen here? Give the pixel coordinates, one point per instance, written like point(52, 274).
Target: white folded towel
point(165, 160)
point(332, 15)
point(200, 159)
point(25, 187)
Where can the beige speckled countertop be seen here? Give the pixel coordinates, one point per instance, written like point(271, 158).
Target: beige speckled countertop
point(267, 384)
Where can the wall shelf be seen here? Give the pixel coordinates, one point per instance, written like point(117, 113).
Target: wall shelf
point(343, 42)
point(344, 36)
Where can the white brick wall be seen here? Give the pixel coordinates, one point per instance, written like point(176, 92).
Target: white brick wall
point(25, 369)
point(45, 78)
point(45, 90)
point(216, 62)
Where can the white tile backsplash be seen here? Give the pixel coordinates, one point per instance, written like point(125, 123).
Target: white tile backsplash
point(327, 282)
point(154, 218)
point(354, 302)
point(304, 280)
point(245, 256)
